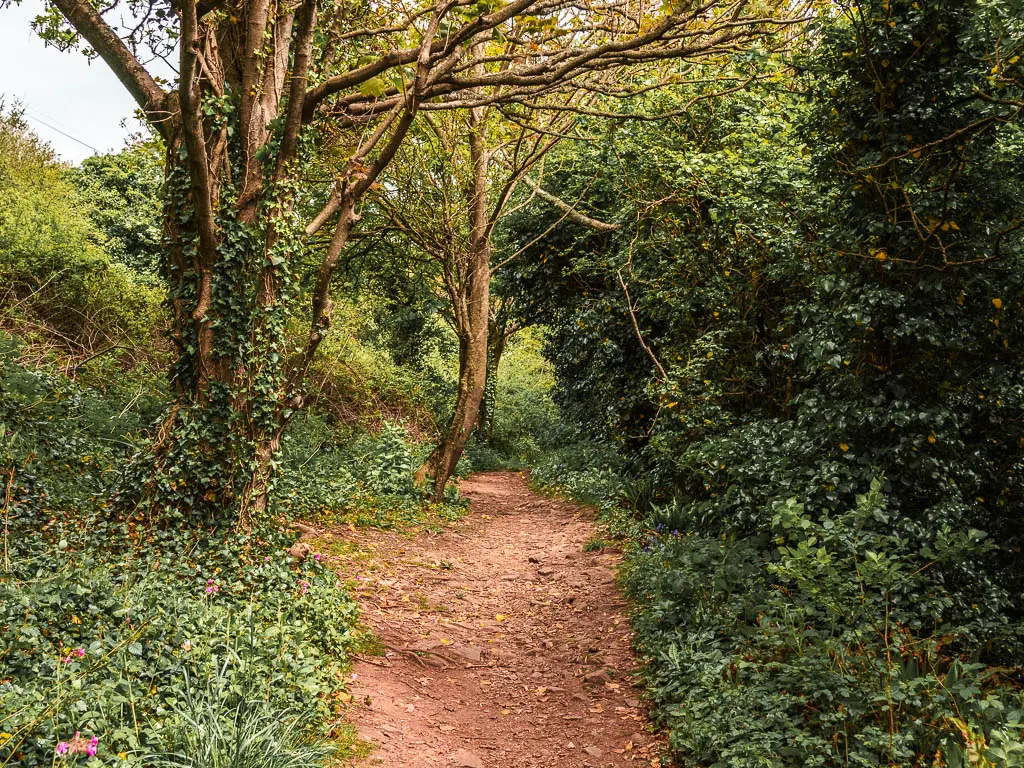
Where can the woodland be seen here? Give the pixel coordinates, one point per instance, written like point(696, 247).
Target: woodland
point(744, 276)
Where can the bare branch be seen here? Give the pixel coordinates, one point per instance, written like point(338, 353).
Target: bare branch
point(636, 328)
point(569, 210)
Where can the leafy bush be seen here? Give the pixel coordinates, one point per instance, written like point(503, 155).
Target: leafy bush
point(102, 623)
point(60, 287)
point(101, 643)
point(525, 421)
point(825, 292)
point(124, 192)
point(833, 644)
point(588, 472)
point(337, 475)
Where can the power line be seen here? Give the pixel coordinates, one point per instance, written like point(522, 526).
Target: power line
point(85, 144)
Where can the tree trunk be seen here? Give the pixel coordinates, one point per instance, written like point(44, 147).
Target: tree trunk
point(471, 305)
point(211, 462)
point(495, 348)
point(231, 240)
point(472, 377)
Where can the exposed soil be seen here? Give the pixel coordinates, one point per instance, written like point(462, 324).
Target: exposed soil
point(506, 643)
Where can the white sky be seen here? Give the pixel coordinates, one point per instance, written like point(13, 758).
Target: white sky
point(66, 90)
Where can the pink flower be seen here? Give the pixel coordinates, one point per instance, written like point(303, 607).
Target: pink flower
point(78, 744)
point(211, 588)
point(317, 557)
point(79, 652)
point(303, 586)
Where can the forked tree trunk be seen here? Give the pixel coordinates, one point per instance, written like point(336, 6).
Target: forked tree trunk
point(230, 246)
point(472, 382)
point(470, 291)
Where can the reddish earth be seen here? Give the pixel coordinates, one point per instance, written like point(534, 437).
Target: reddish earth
point(507, 644)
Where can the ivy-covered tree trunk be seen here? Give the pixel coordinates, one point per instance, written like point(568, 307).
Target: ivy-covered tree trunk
point(211, 460)
point(231, 241)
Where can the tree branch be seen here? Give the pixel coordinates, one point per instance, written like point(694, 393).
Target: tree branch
point(570, 211)
point(133, 76)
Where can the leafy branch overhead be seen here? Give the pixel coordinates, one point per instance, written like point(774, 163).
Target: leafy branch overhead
point(264, 87)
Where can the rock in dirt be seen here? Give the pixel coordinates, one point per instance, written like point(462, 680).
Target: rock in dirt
point(467, 759)
point(300, 550)
point(468, 652)
point(545, 571)
point(597, 677)
point(594, 751)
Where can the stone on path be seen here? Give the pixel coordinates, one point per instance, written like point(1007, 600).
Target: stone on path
point(467, 759)
point(599, 676)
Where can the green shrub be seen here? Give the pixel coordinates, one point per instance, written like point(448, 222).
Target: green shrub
point(587, 472)
point(101, 622)
point(60, 287)
point(103, 642)
point(337, 476)
point(833, 643)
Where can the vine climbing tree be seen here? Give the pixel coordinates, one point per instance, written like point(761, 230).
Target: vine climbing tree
point(263, 87)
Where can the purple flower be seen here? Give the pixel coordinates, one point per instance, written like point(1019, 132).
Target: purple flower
point(62, 748)
point(317, 557)
point(303, 586)
point(94, 743)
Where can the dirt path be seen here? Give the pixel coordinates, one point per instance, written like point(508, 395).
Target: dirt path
point(506, 643)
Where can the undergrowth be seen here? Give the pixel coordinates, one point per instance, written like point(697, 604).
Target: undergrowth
point(833, 639)
point(118, 641)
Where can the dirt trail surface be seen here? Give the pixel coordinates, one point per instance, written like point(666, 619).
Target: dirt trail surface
point(507, 644)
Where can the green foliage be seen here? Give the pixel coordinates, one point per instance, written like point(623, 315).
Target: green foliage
point(826, 287)
point(218, 726)
point(60, 287)
point(525, 420)
point(123, 191)
point(360, 380)
point(835, 647)
point(341, 476)
point(104, 645)
point(588, 472)
point(102, 623)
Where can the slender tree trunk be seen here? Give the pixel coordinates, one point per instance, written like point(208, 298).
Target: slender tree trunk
point(495, 348)
point(472, 377)
point(472, 318)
